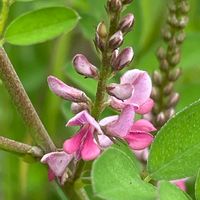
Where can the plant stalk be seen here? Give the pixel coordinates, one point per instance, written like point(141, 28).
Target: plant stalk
point(23, 103)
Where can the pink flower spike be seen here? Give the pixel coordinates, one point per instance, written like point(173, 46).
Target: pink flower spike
point(120, 91)
point(104, 141)
point(141, 82)
point(139, 140)
point(143, 125)
point(66, 92)
point(84, 67)
point(57, 162)
point(90, 149)
point(146, 107)
point(122, 125)
point(83, 118)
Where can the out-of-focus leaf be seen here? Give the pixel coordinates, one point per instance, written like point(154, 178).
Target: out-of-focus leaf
point(197, 186)
point(176, 146)
point(167, 191)
point(41, 25)
point(115, 177)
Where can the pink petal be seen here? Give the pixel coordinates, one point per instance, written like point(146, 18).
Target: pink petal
point(146, 107)
point(107, 120)
point(57, 162)
point(142, 154)
point(143, 125)
point(83, 118)
point(142, 85)
point(65, 91)
point(72, 145)
point(116, 103)
point(121, 127)
point(90, 149)
point(51, 175)
point(104, 141)
point(139, 140)
point(180, 183)
point(120, 91)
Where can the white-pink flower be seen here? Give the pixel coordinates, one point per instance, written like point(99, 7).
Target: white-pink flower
point(57, 162)
point(83, 142)
point(141, 91)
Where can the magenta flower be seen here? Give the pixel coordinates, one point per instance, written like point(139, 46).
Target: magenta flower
point(140, 98)
point(83, 143)
point(66, 92)
point(57, 162)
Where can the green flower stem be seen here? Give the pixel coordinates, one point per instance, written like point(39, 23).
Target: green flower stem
point(23, 103)
point(19, 148)
point(105, 72)
point(3, 16)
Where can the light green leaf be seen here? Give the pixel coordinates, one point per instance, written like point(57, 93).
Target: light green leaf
point(41, 25)
point(115, 177)
point(175, 152)
point(167, 191)
point(197, 186)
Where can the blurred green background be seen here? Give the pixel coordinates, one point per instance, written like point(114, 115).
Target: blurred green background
point(19, 180)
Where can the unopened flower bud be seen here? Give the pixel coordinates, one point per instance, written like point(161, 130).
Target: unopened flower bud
point(116, 40)
point(166, 34)
point(78, 107)
point(126, 23)
point(169, 113)
point(101, 30)
point(174, 60)
point(120, 91)
point(164, 65)
point(161, 53)
point(155, 94)
point(184, 7)
point(123, 59)
point(114, 5)
point(114, 56)
point(127, 1)
point(66, 92)
point(168, 88)
point(161, 118)
point(173, 99)
point(174, 74)
point(172, 20)
point(99, 43)
point(183, 22)
point(172, 7)
point(180, 37)
point(84, 67)
point(157, 78)
point(172, 43)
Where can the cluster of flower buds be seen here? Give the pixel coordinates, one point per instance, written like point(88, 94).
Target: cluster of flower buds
point(163, 80)
point(109, 41)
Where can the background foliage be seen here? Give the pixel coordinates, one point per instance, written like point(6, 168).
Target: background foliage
point(19, 180)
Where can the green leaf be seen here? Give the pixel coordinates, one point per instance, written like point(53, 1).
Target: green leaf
point(115, 177)
point(41, 25)
point(175, 152)
point(197, 186)
point(168, 191)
